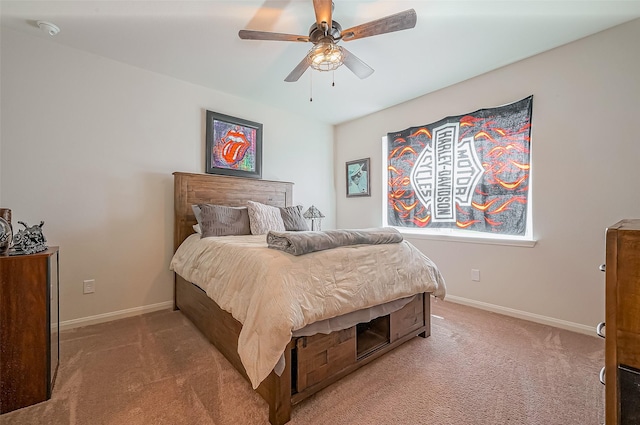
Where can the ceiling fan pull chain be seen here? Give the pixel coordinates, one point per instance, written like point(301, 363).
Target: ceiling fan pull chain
point(311, 87)
point(333, 76)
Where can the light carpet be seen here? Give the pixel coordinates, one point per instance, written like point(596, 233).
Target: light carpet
point(477, 367)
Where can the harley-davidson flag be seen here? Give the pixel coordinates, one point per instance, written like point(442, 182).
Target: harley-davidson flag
point(467, 172)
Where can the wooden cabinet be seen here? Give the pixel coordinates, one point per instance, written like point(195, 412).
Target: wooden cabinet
point(622, 342)
point(29, 320)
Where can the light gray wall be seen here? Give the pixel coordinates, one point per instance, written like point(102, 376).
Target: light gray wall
point(585, 173)
point(88, 145)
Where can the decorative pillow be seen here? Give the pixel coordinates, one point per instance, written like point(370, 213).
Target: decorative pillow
point(218, 220)
point(293, 219)
point(263, 218)
point(196, 228)
point(197, 213)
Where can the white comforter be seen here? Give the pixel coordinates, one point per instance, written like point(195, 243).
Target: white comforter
point(273, 293)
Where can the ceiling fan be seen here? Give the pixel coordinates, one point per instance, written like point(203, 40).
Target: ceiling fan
point(325, 33)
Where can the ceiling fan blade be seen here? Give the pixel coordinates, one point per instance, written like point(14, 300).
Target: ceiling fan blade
point(323, 13)
point(351, 61)
point(275, 36)
point(397, 22)
point(297, 71)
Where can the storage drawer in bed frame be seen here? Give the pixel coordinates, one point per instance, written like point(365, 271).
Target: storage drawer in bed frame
point(311, 363)
point(319, 358)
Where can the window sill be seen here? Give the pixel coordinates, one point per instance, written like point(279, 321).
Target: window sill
point(469, 239)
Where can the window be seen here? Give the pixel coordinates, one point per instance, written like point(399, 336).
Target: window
point(467, 175)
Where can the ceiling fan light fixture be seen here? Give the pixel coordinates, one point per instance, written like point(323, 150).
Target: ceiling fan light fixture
point(325, 56)
point(325, 33)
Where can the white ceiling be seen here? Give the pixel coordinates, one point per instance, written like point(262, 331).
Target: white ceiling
point(197, 41)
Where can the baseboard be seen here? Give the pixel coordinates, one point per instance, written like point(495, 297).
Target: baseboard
point(114, 315)
point(563, 324)
point(550, 321)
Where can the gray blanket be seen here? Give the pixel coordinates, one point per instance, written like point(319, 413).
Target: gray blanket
point(298, 243)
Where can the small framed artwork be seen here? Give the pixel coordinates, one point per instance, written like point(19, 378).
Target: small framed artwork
point(234, 146)
point(358, 178)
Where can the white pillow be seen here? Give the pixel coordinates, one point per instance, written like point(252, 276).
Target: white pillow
point(263, 218)
point(196, 227)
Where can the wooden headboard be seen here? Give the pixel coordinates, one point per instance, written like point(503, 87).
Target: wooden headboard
point(190, 189)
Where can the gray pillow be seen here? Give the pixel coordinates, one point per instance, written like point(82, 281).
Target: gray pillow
point(293, 219)
point(197, 213)
point(219, 220)
point(263, 218)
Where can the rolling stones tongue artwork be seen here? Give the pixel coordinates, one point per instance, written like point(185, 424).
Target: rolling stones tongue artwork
point(466, 172)
point(234, 146)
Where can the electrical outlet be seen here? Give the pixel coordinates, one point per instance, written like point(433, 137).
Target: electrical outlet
point(89, 286)
point(475, 275)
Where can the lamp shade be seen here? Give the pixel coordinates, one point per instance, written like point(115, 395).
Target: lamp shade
point(313, 212)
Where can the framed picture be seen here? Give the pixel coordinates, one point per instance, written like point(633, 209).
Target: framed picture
point(358, 178)
point(234, 146)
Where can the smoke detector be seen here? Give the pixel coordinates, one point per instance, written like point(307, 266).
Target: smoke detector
point(48, 27)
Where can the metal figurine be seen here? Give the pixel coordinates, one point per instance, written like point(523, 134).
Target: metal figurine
point(6, 236)
point(29, 240)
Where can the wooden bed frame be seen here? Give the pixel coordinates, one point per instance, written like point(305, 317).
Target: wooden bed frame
point(311, 363)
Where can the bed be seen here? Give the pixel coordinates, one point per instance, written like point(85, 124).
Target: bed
point(309, 362)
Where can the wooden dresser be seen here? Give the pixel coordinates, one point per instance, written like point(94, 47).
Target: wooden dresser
point(622, 342)
point(29, 319)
